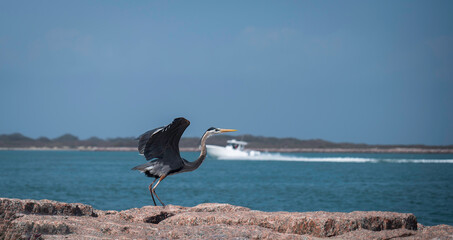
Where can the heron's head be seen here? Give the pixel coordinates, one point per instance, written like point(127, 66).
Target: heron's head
point(212, 130)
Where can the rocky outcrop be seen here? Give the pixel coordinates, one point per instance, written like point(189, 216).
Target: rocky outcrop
point(45, 219)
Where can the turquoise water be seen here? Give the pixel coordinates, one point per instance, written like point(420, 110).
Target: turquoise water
point(414, 183)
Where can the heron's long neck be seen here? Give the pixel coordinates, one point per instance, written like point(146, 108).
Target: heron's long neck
point(190, 166)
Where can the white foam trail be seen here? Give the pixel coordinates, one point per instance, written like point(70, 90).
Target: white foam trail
point(279, 157)
point(421, 160)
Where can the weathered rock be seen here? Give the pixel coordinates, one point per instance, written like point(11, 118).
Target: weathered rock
point(36, 226)
point(319, 224)
point(44, 219)
point(11, 209)
point(45, 207)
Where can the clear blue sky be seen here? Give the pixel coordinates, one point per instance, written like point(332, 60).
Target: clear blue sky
point(378, 72)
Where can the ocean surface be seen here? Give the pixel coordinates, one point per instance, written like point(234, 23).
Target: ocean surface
point(421, 184)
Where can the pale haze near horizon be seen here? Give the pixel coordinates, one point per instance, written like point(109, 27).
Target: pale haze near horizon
point(376, 72)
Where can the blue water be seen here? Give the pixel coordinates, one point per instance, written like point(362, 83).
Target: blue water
point(413, 183)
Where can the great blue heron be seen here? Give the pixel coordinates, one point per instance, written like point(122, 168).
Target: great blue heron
point(161, 145)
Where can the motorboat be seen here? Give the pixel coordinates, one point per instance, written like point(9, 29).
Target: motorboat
point(233, 150)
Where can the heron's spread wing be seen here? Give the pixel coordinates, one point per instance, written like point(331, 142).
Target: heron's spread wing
point(143, 139)
point(163, 142)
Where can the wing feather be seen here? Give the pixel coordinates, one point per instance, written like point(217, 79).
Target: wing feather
point(143, 139)
point(163, 142)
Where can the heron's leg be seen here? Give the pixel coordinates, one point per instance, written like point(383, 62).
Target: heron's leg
point(154, 189)
point(151, 191)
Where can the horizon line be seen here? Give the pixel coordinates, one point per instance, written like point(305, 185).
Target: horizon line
point(225, 135)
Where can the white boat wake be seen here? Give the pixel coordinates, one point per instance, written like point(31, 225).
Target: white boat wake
point(281, 157)
point(234, 150)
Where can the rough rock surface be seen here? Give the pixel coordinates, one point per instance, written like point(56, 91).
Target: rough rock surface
point(45, 219)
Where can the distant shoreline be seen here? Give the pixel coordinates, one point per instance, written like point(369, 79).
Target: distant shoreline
point(17, 141)
point(281, 150)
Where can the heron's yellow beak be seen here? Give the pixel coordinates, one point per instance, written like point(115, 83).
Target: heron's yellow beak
point(227, 130)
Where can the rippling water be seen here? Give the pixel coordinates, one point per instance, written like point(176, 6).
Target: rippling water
point(415, 183)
